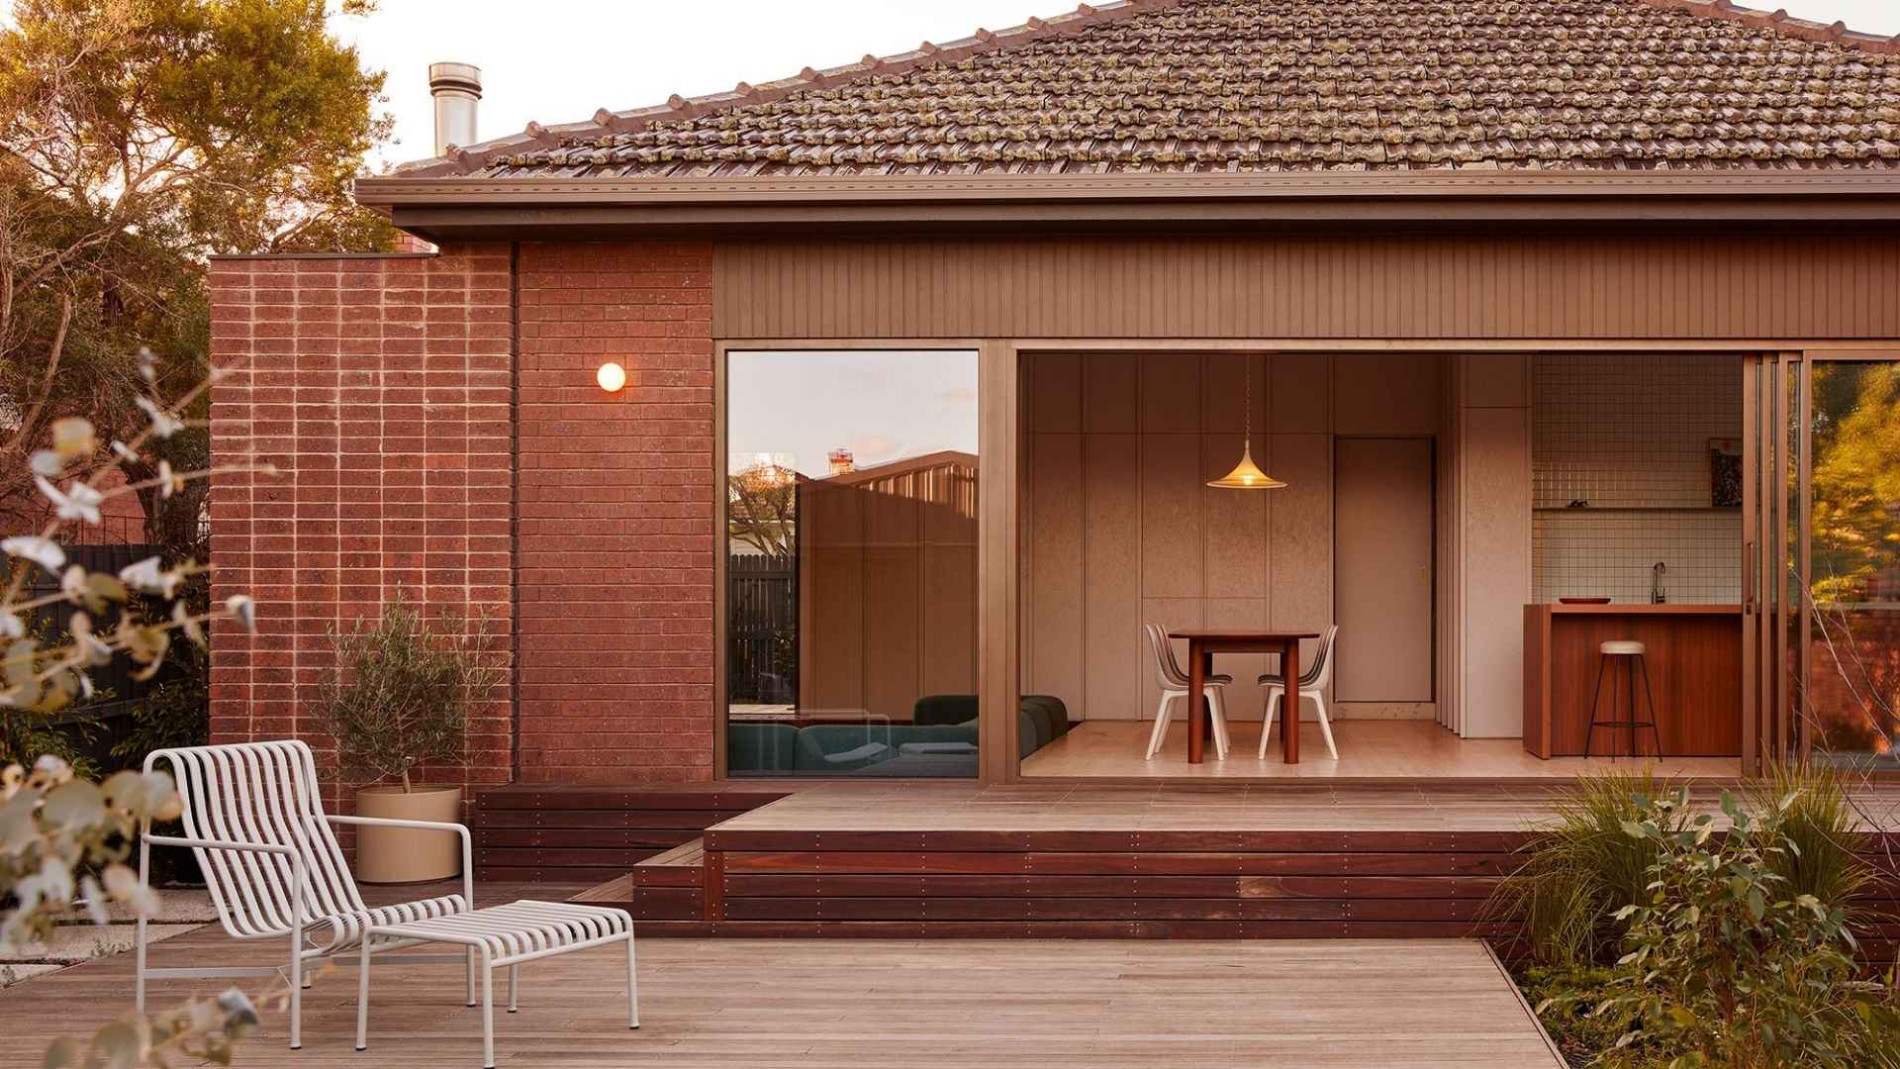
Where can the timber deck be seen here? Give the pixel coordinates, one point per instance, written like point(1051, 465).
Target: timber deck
point(751, 1004)
point(887, 860)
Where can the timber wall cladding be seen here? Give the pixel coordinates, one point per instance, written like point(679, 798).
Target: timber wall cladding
point(1622, 286)
point(616, 504)
point(1119, 528)
point(887, 571)
point(378, 387)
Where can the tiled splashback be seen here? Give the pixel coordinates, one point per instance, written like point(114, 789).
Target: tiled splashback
point(1604, 552)
point(1631, 434)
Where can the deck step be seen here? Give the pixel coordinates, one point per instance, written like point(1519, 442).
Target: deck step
point(669, 886)
point(615, 892)
point(586, 834)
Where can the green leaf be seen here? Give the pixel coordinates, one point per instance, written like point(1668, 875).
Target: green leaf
point(63, 1052)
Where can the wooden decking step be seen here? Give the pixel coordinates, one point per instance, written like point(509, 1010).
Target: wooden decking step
point(615, 892)
point(690, 855)
point(669, 886)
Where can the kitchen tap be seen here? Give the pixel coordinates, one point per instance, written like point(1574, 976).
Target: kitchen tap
point(1657, 595)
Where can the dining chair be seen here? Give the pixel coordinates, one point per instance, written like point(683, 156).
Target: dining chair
point(1174, 685)
point(1312, 681)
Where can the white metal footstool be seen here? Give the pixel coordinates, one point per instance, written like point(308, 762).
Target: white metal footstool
point(504, 935)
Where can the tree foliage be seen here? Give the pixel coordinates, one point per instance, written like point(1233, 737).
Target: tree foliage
point(138, 137)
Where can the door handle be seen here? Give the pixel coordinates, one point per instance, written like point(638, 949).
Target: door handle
point(1748, 576)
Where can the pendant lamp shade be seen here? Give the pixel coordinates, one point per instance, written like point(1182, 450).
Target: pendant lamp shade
point(1246, 474)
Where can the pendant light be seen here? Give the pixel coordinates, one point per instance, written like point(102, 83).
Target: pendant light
point(1246, 474)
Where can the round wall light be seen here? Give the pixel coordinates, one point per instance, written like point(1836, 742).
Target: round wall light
point(611, 377)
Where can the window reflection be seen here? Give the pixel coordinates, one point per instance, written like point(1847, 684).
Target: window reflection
point(851, 564)
point(1853, 576)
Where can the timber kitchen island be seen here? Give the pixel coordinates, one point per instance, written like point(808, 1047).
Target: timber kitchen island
point(1694, 662)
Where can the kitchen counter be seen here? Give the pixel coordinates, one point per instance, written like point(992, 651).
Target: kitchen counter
point(1695, 672)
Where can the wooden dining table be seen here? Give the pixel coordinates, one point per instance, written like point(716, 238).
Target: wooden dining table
point(1204, 643)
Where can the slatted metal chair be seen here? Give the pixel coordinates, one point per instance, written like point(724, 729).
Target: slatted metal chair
point(255, 821)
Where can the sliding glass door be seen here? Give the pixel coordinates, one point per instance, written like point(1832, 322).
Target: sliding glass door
point(1822, 579)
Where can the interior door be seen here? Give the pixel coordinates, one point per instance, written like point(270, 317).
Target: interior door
point(1383, 552)
point(1822, 558)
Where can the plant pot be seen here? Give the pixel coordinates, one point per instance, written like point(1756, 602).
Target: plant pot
point(408, 855)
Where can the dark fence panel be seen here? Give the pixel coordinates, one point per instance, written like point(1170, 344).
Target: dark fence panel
point(762, 628)
point(106, 719)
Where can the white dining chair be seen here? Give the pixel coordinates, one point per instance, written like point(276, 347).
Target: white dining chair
point(1312, 682)
point(1174, 685)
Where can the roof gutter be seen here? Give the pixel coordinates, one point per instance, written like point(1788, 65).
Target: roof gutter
point(469, 207)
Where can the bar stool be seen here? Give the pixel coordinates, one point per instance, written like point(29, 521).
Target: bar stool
point(1633, 656)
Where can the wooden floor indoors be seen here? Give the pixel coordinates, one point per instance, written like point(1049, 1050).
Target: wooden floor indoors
point(742, 1003)
point(1368, 749)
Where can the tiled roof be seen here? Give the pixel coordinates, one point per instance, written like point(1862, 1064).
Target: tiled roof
point(1284, 85)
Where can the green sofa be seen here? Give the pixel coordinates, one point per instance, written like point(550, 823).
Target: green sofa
point(940, 741)
point(759, 749)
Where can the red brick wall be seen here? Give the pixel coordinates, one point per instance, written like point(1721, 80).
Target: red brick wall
point(616, 514)
point(379, 388)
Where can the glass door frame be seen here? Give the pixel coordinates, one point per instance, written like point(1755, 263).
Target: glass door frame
point(1777, 551)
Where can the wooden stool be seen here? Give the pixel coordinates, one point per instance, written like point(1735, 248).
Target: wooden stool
point(1633, 656)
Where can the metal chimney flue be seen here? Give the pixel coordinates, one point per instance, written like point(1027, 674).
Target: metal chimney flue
point(457, 89)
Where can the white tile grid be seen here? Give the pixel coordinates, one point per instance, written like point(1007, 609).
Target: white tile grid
point(1591, 553)
point(1631, 431)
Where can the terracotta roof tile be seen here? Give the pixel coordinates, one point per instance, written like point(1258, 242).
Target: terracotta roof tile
point(1277, 85)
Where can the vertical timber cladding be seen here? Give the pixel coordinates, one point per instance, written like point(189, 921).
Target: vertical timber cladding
point(1680, 287)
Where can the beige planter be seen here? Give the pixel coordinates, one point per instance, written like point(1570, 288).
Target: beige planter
point(408, 855)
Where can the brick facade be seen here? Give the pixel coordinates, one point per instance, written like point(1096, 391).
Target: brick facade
point(378, 387)
point(616, 513)
point(381, 390)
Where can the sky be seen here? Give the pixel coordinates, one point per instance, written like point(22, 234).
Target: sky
point(557, 61)
point(864, 401)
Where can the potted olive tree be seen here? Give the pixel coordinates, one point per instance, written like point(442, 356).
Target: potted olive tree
point(399, 698)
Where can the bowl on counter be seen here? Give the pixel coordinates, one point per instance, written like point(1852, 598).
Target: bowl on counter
point(1593, 599)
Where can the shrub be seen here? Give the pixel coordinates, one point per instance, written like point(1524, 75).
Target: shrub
point(401, 692)
point(1725, 963)
point(1817, 821)
point(1574, 876)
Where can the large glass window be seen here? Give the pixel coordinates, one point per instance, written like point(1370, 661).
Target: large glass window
point(1850, 638)
point(850, 601)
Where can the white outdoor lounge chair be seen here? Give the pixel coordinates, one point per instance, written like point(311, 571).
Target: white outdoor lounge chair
point(254, 819)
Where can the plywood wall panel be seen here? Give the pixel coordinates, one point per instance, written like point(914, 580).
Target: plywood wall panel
point(894, 628)
point(1055, 395)
point(1301, 392)
point(1112, 392)
point(1226, 387)
point(1055, 538)
point(1385, 394)
point(1612, 286)
point(1302, 533)
point(835, 635)
point(1495, 539)
point(1383, 568)
point(1170, 393)
point(947, 661)
point(1171, 548)
point(1235, 545)
point(1112, 647)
